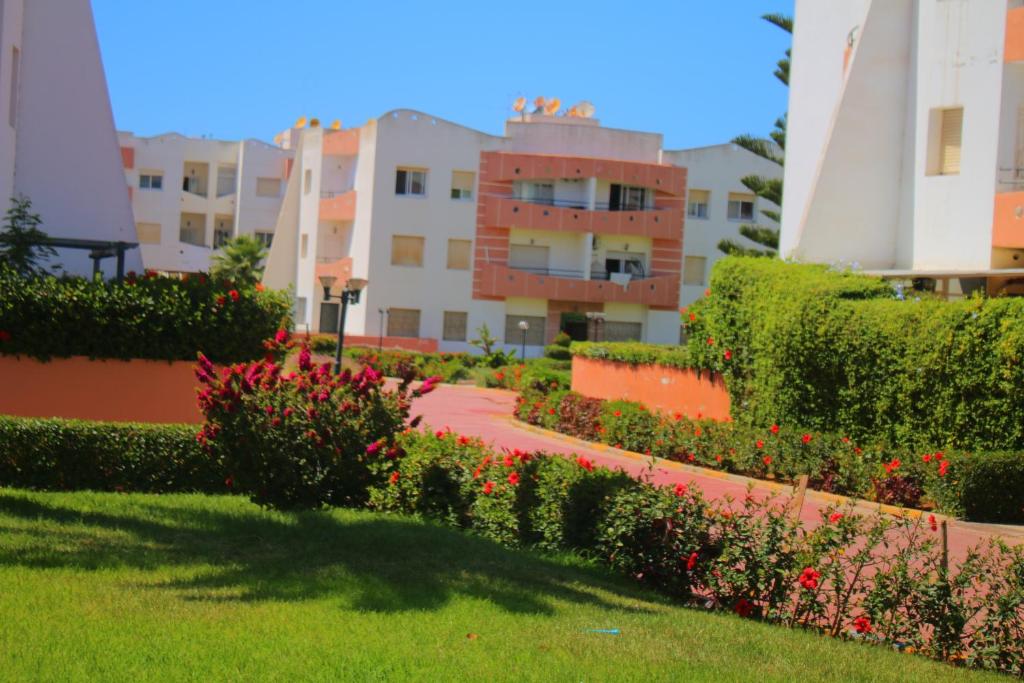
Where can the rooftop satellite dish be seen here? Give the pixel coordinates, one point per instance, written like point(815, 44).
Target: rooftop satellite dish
point(573, 112)
point(278, 138)
point(519, 105)
point(552, 106)
point(336, 124)
point(301, 123)
point(314, 123)
point(585, 109)
point(538, 105)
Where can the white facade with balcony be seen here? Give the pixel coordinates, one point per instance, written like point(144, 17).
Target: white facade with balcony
point(190, 195)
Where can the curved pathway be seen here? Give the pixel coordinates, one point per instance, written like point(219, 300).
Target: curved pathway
point(487, 413)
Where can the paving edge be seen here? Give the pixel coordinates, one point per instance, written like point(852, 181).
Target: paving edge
point(839, 501)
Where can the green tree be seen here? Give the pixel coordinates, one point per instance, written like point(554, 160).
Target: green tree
point(240, 261)
point(23, 246)
point(772, 148)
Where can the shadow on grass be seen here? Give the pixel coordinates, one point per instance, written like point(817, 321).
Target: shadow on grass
point(236, 552)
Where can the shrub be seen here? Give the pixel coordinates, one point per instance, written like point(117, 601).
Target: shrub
point(68, 455)
point(830, 351)
point(450, 367)
point(579, 416)
point(990, 487)
point(556, 352)
point(148, 317)
point(305, 439)
point(634, 353)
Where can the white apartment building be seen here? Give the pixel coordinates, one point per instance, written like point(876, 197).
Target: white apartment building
point(58, 146)
point(454, 228)
point(905, 151)
point(190, 195)
point(717, 204)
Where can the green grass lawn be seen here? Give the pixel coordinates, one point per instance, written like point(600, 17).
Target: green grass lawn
point(142, 587)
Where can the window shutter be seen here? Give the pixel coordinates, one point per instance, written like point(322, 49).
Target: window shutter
point(400, 182)
point(458, 254)
point(694, 270)
point(403, 322)
point(454, 326)
point(952, 132)
point(406, 251)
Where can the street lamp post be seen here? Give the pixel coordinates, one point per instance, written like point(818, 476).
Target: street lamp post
point(380, 339)
point(349, 295)
point(524, 327)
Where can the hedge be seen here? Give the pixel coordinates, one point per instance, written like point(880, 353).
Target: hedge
point(67, 455)
point(839, 352)
point(148, 317)
point(634, 353)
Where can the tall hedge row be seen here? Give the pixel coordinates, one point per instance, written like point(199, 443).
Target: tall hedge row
point(800, 344)
point(141, 317)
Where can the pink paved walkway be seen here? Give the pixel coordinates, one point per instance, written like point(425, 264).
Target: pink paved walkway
point(485, 413)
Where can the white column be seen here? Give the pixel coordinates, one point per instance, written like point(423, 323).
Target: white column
point(588, 239)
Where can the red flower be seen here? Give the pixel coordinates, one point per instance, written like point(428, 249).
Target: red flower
point(727, 355)
point(229, 482)
point(845, 439)
point(892, 465)
point(939, 456)
point(513, 478)
point(221, 300)
point(835, 517)
point(585, 464)
point(281, 337)
point(499, 376)
point(693, 317)
point(809, 578)
point(806, 438)
point(260, 287)
point(439, 434)
point(233, 294)
point(711, 341)
point(680, 489)
point(767, 460)
point(678, 416)
point(943, 468)
point(618, 413)
point(691, 562)
point(5, 336)
point(926, 457)
point(287, 412)
point(276, 422)
point(759, 444)
point(707, 292)
point(463, 440)
point(488, 487)
point(394, 478)
point(862, 625)
point(743, 607)
point(551, 411)
point(933, 523)
point(774, 429)
point(718, 458)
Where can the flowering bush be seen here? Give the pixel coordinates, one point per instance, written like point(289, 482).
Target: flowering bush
point(301, 439)
point(142, 317)
point(450, 367)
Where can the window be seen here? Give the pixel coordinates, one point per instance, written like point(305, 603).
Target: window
point(151, 181)
point(303, 245)
point(265, 238)
point(620, 332)
point(949, 142)
point(698, 204)
point(329, 317)
point(220, 237)
point(458, 254)
point(542, 193)
point(454, 326)
point(12, 114)
point(528, 257)
point(741, 207)
point(693, 270)
point(407, 251)
point(462, 185)
point(534, 335)
point(268, 187)
point(403, 322)
point(300, 311)
point(411, 181)
point(192, 229)
point(226, 177)
point(148, 233)
point(307, 181)
point(627, 198)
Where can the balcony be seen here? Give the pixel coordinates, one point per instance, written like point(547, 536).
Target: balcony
point(509, 167)
point(340, 268)
point(338, 206)
point(1008, 221)
point(562, 216)
point(1014, 45)
point(341, 142)
point(503, 281)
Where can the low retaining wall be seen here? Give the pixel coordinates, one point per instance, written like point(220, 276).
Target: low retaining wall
point(667, 389)
point(108, 390)
point(420, 345)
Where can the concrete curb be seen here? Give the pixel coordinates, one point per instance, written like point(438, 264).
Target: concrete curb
point(776, 487)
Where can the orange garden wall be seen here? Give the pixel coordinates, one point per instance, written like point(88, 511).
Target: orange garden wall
point(667, 389)
point(109, 390)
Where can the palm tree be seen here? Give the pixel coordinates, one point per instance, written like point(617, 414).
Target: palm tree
point(772, 149)
point(240, 261)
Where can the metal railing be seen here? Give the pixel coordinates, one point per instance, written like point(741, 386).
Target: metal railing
point(595, 274)
point(577, 204)
point(325, 194)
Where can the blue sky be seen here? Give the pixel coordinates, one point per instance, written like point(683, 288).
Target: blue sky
point(697, 72)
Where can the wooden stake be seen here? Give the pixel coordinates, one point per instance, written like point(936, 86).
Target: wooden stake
point(798, 497)
point(945, 547)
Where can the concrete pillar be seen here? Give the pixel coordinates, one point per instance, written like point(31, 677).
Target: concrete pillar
point(588, 239)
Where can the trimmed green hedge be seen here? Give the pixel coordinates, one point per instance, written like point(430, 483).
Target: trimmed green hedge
point(634, 353)
point(67, 455)
point(148, 317)
point(839, 352)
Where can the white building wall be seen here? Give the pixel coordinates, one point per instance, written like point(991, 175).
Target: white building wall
point(65, 152)
point(718, 169)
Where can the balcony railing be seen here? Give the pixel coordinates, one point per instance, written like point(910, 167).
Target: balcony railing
point(577, 274)
point(330, 194)
point(577, 204)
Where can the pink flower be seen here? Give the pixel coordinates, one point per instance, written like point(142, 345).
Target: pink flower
point(373, 448)
point(305, 362)
point(281, 337)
